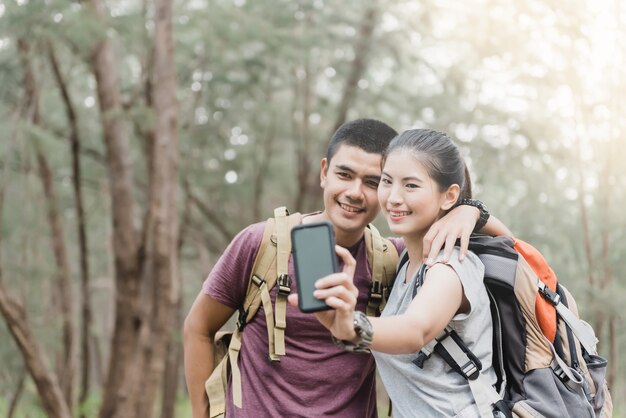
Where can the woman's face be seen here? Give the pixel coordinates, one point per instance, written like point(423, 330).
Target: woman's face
point(410, 199)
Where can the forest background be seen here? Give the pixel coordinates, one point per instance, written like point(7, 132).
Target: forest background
point(139, 136)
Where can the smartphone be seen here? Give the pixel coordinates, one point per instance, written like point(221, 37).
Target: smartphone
point(314, 256)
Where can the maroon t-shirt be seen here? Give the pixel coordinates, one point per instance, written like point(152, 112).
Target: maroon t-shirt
point(315, 378)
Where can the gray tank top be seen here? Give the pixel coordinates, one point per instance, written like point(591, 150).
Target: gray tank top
point(437, 390)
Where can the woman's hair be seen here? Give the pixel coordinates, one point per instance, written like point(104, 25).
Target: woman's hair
point(440, 156)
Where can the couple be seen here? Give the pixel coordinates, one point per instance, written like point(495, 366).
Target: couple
point(422, 178)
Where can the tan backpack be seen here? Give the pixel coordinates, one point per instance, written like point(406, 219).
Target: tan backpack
point(270, 268)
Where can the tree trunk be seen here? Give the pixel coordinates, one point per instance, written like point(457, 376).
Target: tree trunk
point(172, 368)
point(174, 354)
point(613, 350)
point(266, 154)
point(68, 363)
point(50, 393)
point(68, 368)
point(162, 236)
point(15, 399)
point(303, 148)
point(48, 387)
point(210, 215)
point(357, 70)
point(359, 64)
point(80, 225)
point(117, 401)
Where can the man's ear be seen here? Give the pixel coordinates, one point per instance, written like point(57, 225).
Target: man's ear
point(450, 197)
point(323, 172)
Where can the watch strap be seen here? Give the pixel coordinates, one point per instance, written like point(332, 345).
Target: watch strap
point(482, 209)
point(364, 332)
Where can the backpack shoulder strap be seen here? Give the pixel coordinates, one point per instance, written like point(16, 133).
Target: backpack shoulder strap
point(217, 383)
point(382, 257)
point(262, 264)
point(453, 350)
point(459, 357)
point(270, 266)
point(403, 259)
point(284, 224)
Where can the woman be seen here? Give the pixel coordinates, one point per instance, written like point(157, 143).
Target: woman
point(423, 177)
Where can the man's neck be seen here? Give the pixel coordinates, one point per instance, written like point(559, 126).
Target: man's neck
point(348, 240)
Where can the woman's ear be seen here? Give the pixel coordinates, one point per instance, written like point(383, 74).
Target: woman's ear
point(450, 197)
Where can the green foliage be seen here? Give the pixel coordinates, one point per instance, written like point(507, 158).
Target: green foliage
point(527, 88)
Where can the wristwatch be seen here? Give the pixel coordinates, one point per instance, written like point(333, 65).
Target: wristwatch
point(484, 213)
point(364, 333)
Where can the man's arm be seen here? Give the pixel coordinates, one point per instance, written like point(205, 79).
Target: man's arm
point(458, 223)
point(204, 319)
point(495, 228)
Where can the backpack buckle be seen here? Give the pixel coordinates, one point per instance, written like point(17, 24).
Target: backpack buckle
point(257, 280)
point(552, 297)
point(376, 291)
point(471, 370)
point(241, 319)
point(420, 359)
point(284, 284)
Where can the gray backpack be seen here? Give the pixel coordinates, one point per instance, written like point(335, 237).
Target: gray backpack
point(545, 356)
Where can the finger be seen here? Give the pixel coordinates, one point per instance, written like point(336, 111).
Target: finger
point(339, 305)
point(293, 299)
point(435, 248)
point(339, 292)
point(336, 279)
point(428, 239)
point(449, 246)
point(349, 263)
point(464, 245)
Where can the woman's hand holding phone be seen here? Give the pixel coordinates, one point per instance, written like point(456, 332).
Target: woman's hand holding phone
point(340, 293)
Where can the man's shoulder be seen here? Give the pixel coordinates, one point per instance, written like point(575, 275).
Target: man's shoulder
point(398, 243)
point(252, 234)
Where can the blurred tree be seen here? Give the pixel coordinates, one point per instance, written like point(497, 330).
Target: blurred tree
point(531, 90)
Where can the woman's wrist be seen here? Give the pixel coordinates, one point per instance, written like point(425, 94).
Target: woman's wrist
point(363, 334)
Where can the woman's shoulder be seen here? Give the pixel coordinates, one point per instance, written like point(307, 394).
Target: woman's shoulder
point(470, 268)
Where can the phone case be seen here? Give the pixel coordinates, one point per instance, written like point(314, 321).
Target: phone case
point(313, 248)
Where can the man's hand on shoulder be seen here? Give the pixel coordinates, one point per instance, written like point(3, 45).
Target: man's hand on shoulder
point(458, 223)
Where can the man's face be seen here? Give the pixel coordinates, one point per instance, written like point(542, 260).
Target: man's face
point(350, 181)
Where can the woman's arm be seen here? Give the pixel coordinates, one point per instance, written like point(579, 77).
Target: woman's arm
point(432, 309)
point(439, 299)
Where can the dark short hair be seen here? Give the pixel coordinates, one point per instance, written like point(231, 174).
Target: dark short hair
point(370, 135)
point(440, 156)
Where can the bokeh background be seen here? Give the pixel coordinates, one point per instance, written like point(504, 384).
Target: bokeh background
point(133, 150)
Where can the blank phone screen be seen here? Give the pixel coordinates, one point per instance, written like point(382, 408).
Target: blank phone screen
point(314, 257)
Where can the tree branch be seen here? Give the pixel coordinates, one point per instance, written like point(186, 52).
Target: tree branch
point(214, 219)
point(80, 224)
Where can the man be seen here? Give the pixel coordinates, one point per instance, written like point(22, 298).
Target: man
point(315, 378)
